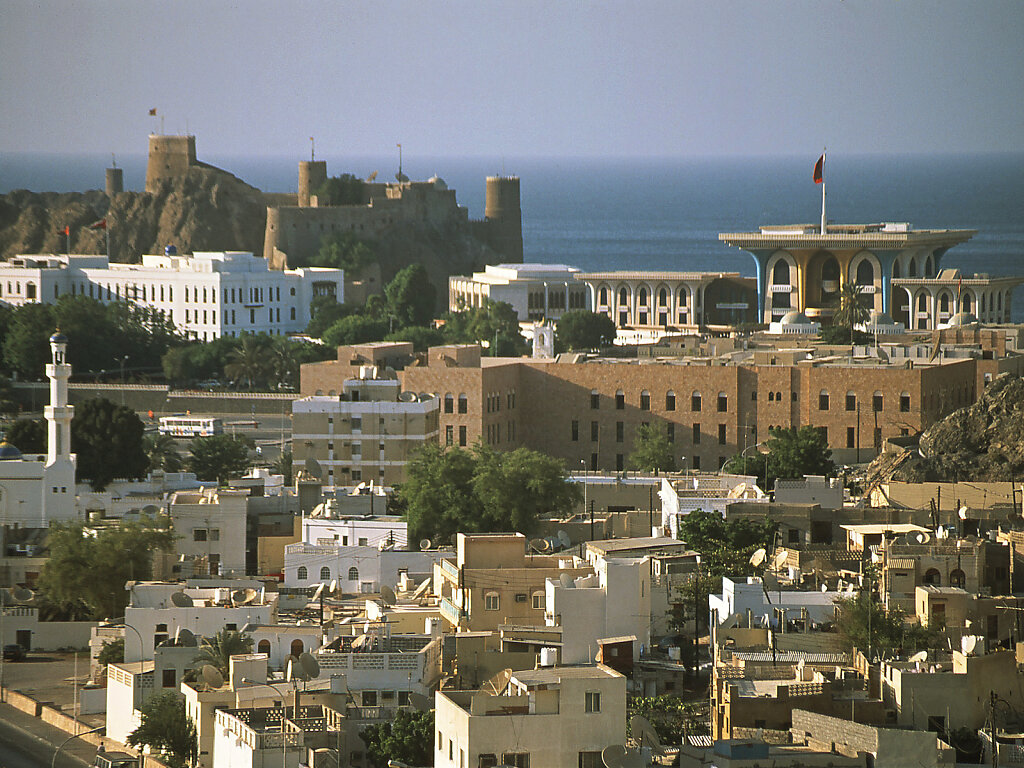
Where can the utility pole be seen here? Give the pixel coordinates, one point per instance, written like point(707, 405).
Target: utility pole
point(992, 728)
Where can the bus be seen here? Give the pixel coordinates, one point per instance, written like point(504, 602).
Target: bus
point(190, 426)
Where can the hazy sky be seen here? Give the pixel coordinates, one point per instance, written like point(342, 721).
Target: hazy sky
point(514, 78)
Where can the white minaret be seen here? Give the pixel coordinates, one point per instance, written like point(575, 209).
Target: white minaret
point(59, 473)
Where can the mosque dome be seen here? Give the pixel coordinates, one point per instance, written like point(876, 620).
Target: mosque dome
point(795, 318)
point(438, 182)
point(58, 338)
point(8, 452)
point(881, 318)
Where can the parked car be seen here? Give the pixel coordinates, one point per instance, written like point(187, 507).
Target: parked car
point(14, 652)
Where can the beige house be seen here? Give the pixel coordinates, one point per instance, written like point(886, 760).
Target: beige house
point(210, 524)
point(556, 717)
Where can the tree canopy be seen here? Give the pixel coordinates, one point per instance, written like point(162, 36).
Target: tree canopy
point(852, 309)
point(218, 650)
point(495, 324)
point(411, 296)
point(218, 457)
point(89, 572)
point(108, 441)
point(166, 728)
point(345, 189)
point(725, 545)
point(791, 453)
point(27, 435)
point(582, 329)
point(481, 490)
point(408, 739)
point(652, 452)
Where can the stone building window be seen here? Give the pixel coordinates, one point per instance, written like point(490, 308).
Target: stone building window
point(670, 400)
point(723, 402)
point(620, 400)
point(695, 402)
point(823, 400)
point(645, 401)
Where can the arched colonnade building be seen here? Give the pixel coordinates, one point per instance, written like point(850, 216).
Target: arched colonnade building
point(799, 268)
point(931, 303)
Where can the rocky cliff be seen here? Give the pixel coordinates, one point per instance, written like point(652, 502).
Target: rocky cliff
point(984, 441)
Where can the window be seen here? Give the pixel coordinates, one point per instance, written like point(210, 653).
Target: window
point(591, 760)
point(575, 430)
point(302, 573)
point(620, 462)
point(592, 701)
point(721, 434)
point(696, 435)
point(491, 601)
point(462, 436)
point(696, 462)
point(594, 431)
point(516, 759)
point(645, 401)
point(876, 402)
point(449, 435)
point(487, 761)
point(620, 400)
point(851, 401)
point(463, 403)
point(198, 534)
point(538, 601)
point(620, 431)
point(325, 573)
point(723, 402)
point(169, 678)
point(904, 402)
point(823, 400)
point(595, 399)
point(449, 403)
point(695, 402)
point(370, 699)
point(878, 438)
point(670, 400)
point(851, 437)
point(215, 534)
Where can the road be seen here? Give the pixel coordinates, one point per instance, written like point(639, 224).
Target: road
point(27, 742)
point(267, 435)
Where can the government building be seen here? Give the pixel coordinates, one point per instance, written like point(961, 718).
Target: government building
point(206, 295)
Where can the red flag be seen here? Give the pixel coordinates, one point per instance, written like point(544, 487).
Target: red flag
point(819, 170)
point(66, 231)
point(101, 224)
point(152, 112)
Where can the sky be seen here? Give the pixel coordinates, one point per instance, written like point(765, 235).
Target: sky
point(518, 78)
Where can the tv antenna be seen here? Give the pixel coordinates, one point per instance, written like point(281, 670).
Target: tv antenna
point(312, 149)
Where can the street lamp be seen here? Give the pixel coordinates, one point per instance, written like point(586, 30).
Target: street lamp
point(64, 743)
point(743, 455)
point(583, 464)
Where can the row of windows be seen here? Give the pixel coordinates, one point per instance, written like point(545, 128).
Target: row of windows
point(877, 401)
point(492, 600)
point(449, 436)
point(325, 573)
point(696, 401)
point(642, 297)
point(670, 432)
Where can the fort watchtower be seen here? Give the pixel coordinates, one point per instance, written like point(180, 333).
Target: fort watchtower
point(312, 174)
point(504, 217)
point(169, 158)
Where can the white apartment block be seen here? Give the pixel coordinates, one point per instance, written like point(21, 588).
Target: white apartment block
point(206, 295)
point(558, 717)
point(367, 433)
point(210, 524)
point(358, 569)
point(535, 291)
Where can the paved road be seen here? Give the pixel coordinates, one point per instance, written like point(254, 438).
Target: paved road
point(27, 742)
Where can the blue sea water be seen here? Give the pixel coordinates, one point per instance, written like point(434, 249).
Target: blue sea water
point(619, 213)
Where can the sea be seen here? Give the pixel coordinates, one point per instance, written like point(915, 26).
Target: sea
point(662, 214)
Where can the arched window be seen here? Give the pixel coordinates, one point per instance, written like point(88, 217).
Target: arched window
point(623, 296)
point(325, 573)
point(695, 401)
point(353, 574)
point(895, 269)
point(302, 574)
point(642, 297)
point(463, 403)
point(449, 403)
point(928, 267)
point(620, 400)
point(682, 297)
point(933, 577)
point(723, 402)
point(670, 400)
point(944, 303)
point(771, 396)
point(922, 302)
point(823, 400)
point(912, 267)
point(965, 303)
point(957, 578)
point(645, 400)
point(865, 273)
point(780, 273)
point(263, 646)
point(491, 601)
point(604, 296)
point(297, 648)
point(983, 297)
point(662, 298)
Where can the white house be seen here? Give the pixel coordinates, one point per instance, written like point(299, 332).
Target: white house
point(132, 684)
point(206, 295)
point(614, 602)
point(324, 525)
point(559, 717)
point(535, 291)
point(740, 595)
point(358, 569)
point(275, 736)
point(211, 524)
point(682, 495)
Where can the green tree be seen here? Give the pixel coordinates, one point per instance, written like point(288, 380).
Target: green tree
point(582, 329)
point(218, 650)
point(218, 457)
point(495, 324)
point(345, 189)
point(90, 571)
point(482, 490)
point(725, 545)
point(671, 717)
point(25, 346)
point(166, 729)
point(652, 452)
point(162, 452)
point(27, 435)
point(422, 338)
point(112, 652)
point(791, 453)
point(283, 466)
point(355, 329)
point(411, 296)
point(342, 250)
point(852, 309)
point(248, 362)
point(408, 738)
point(108, 441)
point(198, 361)
point(865, 623)
point(324, 312)
point(834, 334)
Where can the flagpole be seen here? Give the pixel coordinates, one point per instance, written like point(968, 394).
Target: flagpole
point(106, 229)
point(823, 191)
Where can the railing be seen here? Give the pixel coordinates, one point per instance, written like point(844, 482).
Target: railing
point(450, 568)
point(450, 611)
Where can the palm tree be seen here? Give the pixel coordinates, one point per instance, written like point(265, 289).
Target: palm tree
point(162, 452)
point(218, 650)
point(852, 309)
point(284, 362)
point(247, 362)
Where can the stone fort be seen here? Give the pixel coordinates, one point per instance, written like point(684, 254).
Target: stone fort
point(296, 223)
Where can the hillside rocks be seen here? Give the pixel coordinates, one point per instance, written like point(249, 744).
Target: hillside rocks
point(984, 441)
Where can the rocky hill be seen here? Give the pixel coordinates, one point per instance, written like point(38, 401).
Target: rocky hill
point(206, 209)
point(984, 441)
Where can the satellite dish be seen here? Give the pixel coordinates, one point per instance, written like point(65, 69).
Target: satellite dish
point(941, 533)
point(919, 656)
point(151, 510)
point(360, 641)
point(499, 682)
point(401, 177)
point(372, 176)
point(295, 670)
point(387, 594)
point(969, 643)
point(613, 756)
point(313, 467)
point(317, 592)
point(184, 638)
point(250, 595)
point(212, 676)
point(540, 545)
point(238, 596)
point(824, 587)
point(922, 537)
point(758, 557)
point(425, 543)
point(849, 588)
point(22, 594)
point(962, 512)
point(730, 622)
point(642, 730)
point(310, 666)
point(566, 581)
point(780, 559)
point(333, 589)
point(419, 702)
point(181, 600)
point(563, 539)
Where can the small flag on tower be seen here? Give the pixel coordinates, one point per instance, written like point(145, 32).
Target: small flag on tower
point(66, 231)
point(819, 170)
point(101, 224)
point(152, 112)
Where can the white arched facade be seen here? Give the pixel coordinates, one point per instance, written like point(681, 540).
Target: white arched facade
point(866, 272)
point(783, 291)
